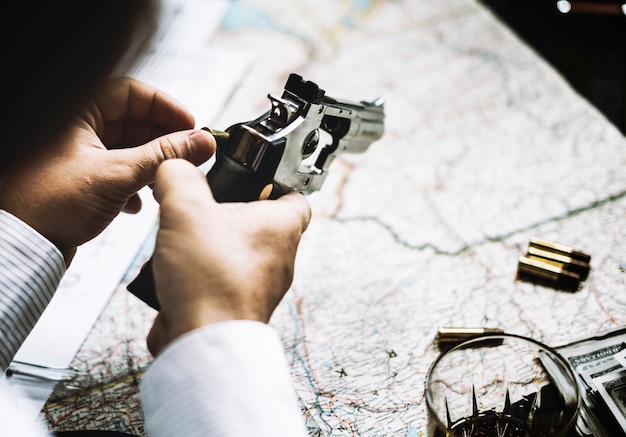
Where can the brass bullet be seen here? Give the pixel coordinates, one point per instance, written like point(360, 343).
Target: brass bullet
point(562, 249)
point(535, 270)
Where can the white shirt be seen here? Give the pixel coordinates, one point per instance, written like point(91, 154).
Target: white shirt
point(227, 379)
point(31, 268)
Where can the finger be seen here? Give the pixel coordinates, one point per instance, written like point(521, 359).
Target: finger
point(179, 180)
point(297, 204)
point(195, 146)
point(132, 112)
point(141, 163)
point(129, 98)
point(290, 211)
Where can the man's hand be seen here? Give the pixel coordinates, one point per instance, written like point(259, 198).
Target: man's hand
point(219, 261)
point(81, 182)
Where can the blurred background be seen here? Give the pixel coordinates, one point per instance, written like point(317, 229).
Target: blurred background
point(583, 40)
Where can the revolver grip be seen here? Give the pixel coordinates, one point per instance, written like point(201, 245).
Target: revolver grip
point(143, 286)
point(232, 182)
point(229, 182)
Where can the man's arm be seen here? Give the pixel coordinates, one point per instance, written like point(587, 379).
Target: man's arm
point(226, 379)
point(73, 188)
point(30, 270)
point(220, 271)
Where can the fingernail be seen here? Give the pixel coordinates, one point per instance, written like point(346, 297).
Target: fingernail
point(203, 144)
point(200, 138)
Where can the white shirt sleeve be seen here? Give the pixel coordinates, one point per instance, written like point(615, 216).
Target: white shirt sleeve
point(226, 379)
point(31, 268)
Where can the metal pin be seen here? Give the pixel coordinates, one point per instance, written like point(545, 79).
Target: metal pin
point(36, 371)
point(266, 192)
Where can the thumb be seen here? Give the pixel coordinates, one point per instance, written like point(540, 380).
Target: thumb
point(178, 180)
point(195, 146)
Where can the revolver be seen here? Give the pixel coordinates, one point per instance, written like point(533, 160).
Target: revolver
point(283, 150)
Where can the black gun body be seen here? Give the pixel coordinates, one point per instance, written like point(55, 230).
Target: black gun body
point(229, 182)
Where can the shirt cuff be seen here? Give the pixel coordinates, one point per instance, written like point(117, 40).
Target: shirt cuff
point(225, 379)
point(31, 268)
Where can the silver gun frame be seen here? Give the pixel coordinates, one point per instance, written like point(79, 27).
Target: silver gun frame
point(295, 120)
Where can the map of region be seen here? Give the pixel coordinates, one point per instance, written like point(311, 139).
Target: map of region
point(485, 146)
